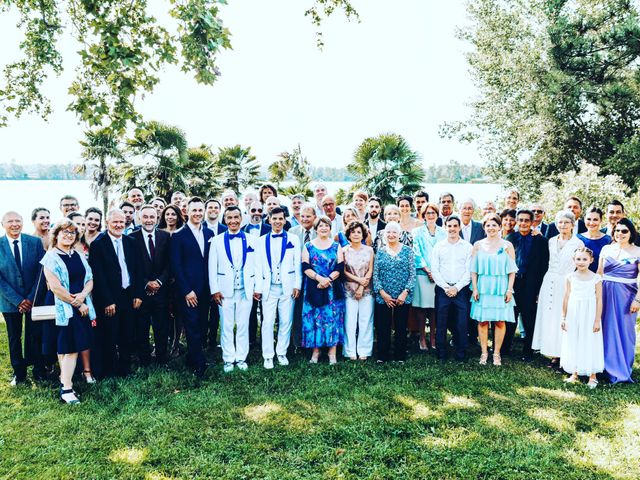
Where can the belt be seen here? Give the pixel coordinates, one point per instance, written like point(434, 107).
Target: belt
point(627, 281)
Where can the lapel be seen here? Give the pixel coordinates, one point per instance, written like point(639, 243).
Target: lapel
point(140, 234)
point(193, 240)
point(8, 254)
point(111, 250)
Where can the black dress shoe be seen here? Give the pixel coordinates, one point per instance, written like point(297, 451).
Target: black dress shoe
point(527, 358)
point(199, 372)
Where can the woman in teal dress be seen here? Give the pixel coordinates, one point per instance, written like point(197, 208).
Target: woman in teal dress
point(493, 271)
point(324, 304)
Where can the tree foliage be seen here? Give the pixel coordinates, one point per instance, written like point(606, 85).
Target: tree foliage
point(559, 85)
point(123, 47)
point(292, 165)
point(204, 173)
point(239, 168)
point(385, 166)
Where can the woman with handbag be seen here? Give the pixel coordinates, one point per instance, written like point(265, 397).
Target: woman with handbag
point(70, 279)
point(324, 304)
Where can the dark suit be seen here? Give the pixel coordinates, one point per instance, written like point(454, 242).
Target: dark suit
point(477, 232)
point(114, 335)
point(220, 229)
point(526, 289)
point(17, 285)
point(552, 231)
point(544, 227)
point(211, 331)
point(253, 316)
point(191, 272)
point(155, 308)
point(380, 227)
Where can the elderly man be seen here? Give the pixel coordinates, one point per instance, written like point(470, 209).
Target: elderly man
point(489, 207)
point(471, 231)
point(329, 208)
point(305, 233)
point(20, 255)
point(446, 201)
point(256, 225)
point(319, 192)
point(296, 202)
point(118, 291)
point(574, 204)
point(538, 225)
point(69, 204)
point(136, 198)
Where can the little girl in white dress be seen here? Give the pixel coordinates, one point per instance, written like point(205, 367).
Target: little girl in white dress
point(582, 346)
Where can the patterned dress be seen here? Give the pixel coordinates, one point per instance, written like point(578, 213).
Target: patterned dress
point(323, 326)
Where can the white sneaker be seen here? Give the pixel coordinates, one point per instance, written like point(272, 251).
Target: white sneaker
point(228, 367)
point(242, 366)
point(283, 360)
point(268, 363)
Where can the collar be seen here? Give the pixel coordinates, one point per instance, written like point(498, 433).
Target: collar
point(213, 226)
point(11, 240)
point(114, 239)
point(194, 228)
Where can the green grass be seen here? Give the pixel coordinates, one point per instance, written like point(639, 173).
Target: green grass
point(418, 420)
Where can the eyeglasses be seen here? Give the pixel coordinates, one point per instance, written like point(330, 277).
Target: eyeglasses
point(622, 230)
point(430, 213)
point(537, 212)
point(69, 233)
point(68, 205)
point(328, 204)
point(256, 210)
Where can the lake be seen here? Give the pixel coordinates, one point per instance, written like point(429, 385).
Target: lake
point(25, 195)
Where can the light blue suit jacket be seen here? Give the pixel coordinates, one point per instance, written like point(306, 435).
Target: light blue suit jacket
point(15, 286)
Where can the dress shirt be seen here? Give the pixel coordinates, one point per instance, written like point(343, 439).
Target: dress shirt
point(11, 240)
point(373, 228)
point(236, 255)
point(336, 225)
point(254, 229)
point(523, 250)
point(276, 252)
point(465, 232)
point(576, 226)
point(124, 271)
point(145, 235)
point(451, 264)
point(609, 230)
point(294, 221)
point(213, 227)
point(199, 234)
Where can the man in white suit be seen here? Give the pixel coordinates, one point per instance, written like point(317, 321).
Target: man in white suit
point(281, 270)
point(234, 272)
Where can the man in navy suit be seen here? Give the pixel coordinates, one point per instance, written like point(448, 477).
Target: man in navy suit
point(20, 256)
point(538, 219)
point(471, 231)
point(117, 295)
point(212, 209)
point(189, 253)
point(573, 204)
point(153, 248)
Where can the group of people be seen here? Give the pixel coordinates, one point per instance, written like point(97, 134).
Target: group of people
point(313, 276)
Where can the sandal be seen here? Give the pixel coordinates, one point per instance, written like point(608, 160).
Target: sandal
point(332, 360)
point(483, 358)
point(571, 379)
point(68, 397)
point(88, 376)
point(497, 360)
point(593, 383)
point(314, 358)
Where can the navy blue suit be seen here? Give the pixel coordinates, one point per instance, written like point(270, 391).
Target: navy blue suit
point(17, 285)
point(210, 333)
point(191, 272)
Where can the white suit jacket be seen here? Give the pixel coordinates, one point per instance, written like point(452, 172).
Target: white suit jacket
point(290, 269)
point(221, 269)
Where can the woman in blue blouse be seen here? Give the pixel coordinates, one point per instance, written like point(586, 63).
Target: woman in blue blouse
point(593, 238)
point(394, 277)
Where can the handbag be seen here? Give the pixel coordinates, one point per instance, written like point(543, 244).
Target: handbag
point(43, 312)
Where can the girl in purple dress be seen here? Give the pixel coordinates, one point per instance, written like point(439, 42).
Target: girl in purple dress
point(620, 302)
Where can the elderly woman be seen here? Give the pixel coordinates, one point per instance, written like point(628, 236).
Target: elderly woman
point(358, 270)
point(323, 307)
point(424, 238)
point(70, 279)
point(547, 333)
point(392, 214)
point(394, 278)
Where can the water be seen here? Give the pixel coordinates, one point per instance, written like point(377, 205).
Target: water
point(23, 196)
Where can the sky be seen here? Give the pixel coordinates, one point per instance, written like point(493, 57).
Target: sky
point(401, 69)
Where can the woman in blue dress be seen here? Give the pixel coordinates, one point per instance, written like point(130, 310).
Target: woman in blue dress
point(70, 279)
point(324, 304)
point(593, 238)
point(493, 272)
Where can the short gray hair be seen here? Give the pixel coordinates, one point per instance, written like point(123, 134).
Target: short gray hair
point(468, 200)
point(11, 212)
point(308, 206)
point(568, 214)
point(393, 226)
point(114, 211)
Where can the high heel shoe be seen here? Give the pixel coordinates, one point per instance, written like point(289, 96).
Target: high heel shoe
point(68, 397)
point(332, 360)
point(314, 358)
point(88, 376)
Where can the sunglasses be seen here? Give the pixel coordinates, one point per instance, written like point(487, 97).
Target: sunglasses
point(537, 212)
point(254, 210)
point(622, 230)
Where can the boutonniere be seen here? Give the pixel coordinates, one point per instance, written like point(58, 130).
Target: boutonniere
point(289, 245)
point(250, 249)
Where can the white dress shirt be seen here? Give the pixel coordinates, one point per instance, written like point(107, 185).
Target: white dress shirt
point(199, 234)
point(124, 271)
point(451, 264)
point(11, 240)
point(253, 230)
point(373, 228)
point(465, 232)
point(336, 225)
point(213, 227)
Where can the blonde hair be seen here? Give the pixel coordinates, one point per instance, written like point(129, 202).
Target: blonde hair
point(63, 224)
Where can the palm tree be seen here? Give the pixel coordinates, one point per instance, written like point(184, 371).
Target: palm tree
point(204, 174)
point(166, 168)
point(385, 166)
point(99, 148)
point(292, 164)
point(239, 168)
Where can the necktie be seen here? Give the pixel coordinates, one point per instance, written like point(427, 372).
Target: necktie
point(277, 235)
point(124, 273)
point(307, 236)
point(152, 247)
point(16, 254)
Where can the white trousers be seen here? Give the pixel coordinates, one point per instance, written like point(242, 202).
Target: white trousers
point(234, 313)
point(283, 304)
point(358, 316)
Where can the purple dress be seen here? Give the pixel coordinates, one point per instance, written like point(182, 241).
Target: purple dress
point(618, 325)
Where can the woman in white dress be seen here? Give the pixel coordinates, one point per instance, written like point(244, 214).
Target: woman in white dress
point(547, 336)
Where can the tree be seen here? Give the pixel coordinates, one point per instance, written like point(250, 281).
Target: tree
point(558, 84)
point(100, 149)
point(385, 166)
point(239, 168)
point(204, 174)
point(123, 47)
point(166, 169)
point(291, 165)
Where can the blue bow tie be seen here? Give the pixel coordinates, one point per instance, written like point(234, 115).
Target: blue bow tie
point(253, 227)
point(277, 235)
point(234, 235)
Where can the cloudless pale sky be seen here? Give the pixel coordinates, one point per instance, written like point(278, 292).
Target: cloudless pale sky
point(400, 69)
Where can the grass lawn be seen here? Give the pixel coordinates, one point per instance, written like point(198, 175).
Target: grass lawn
point(417, 420)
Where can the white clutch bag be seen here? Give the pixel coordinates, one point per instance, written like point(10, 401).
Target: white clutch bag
point(43, 312)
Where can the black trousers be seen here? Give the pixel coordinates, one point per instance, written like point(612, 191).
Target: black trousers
point(213, 325)
point(460, 318)
point(253, 321)
point(32, 344)
point(154, 312)
point(114, 339)
point(296, 329)
point(383, 319)
point(193, 319)
point(527, 307)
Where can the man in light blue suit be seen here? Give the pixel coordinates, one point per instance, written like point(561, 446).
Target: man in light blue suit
point(20, 257)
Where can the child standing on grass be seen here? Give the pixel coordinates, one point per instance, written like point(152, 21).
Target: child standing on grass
point(582, 347)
